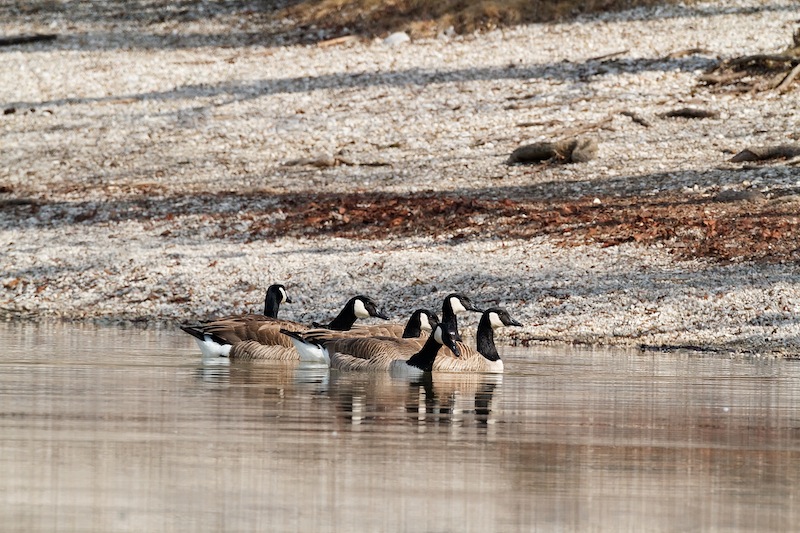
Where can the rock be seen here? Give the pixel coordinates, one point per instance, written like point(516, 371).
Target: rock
point(568, 151)
point(397, 38)
point(584, 150)
point(532, 153)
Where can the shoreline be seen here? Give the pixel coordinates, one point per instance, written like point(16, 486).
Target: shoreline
point(150, 181)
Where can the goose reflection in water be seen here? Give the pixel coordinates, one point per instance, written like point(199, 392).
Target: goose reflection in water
point(434, 399)
point(445, 400)
point(281, 375)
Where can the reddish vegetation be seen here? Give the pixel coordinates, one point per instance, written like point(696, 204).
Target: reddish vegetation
point(691, 226)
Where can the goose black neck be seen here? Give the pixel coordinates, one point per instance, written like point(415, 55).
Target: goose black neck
point(485, 340)
point(345, 319)
point(450, 321)
point(413, 327)
point(271, 305)
point(424, 358)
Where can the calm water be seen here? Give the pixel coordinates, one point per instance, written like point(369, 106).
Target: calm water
point(109, 430)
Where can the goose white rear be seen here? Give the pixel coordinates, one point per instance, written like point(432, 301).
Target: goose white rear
point(211, 349)
point(310, 352)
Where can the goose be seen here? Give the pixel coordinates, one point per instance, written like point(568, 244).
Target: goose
point(399, 356)
point(456, 303)
point(251, 337)
point(421, 320)
point(276, 295)
point(484, 357)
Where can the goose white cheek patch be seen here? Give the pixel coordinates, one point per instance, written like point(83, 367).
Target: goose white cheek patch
point(360, 310)
point(424, 323)
point(283, 296)
point(438, 335)
point(455, 303)
point(494, 320)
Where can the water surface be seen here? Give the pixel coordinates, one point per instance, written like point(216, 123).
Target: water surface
point(112, 429)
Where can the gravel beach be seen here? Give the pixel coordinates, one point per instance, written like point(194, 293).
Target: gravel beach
point(156, 171)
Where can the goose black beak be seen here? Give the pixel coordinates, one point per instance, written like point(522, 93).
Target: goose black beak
point(288, 301)
point(379, 314)
point(473, 307)
point(450, 343)
point(513, 322)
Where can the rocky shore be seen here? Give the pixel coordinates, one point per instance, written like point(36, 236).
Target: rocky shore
point(161, 172)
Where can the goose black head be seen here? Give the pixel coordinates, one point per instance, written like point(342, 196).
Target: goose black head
point(427, 319)
point(499, 317)
point(280, 293)
point(364, 306)
point(458, 303)
point(443, 336)
point(276, 295)
point(421, 320)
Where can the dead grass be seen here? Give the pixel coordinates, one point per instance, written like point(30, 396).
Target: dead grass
point(426, 17)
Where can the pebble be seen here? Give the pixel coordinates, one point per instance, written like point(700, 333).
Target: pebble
point(397, 38)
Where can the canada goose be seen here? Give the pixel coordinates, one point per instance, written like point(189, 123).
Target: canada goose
point(421, 320)
point(375, 353)
point(485, 358)
point(276, 295)
point(250, 338)
point(456, 303)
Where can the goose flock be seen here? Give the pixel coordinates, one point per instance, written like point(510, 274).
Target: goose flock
point(408, 349)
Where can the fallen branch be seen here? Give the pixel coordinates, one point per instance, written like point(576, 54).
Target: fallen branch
point(784, 85)
point(765, 153)
point(689, 112)
point(586, 128)
point(25, 39)
point(762, 59)
point(608, 56)
point(765, 71)
point(722, 79)
point(636, 118)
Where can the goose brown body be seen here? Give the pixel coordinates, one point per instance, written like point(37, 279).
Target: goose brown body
point(376, 353)
point(254, 337)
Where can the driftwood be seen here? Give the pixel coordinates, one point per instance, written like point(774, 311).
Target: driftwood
point(609, 56)
point(765, 153)
point(637, 118)
point(25, 39)
point(567, 151)
point(758, 72)
point(678, 54)
point(689, 112)
point(336, 41)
